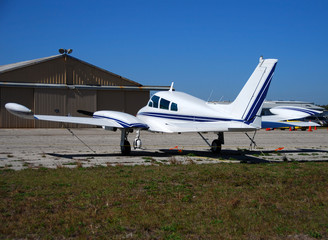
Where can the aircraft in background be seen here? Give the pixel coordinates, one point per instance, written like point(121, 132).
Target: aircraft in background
point(178, 112)
point(282, 114)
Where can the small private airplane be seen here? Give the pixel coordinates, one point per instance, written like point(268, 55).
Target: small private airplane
point(177, 112)
point(280, 115)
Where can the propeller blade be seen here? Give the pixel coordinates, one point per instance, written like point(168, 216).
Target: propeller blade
point(85, 112)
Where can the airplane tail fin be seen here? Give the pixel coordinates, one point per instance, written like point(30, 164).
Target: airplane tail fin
point(248, 104)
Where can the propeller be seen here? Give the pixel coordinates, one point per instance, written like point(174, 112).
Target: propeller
point(85, 112)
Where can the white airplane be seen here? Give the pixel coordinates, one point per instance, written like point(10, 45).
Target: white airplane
point(178, 112)
point(281, 114)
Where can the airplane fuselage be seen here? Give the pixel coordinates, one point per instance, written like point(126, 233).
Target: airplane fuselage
point(166, 109)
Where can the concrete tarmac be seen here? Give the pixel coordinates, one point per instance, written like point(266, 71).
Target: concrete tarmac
point(56, 148)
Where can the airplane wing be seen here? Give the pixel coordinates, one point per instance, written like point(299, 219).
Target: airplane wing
point(112, 119)
point(79, 120)
point(290, 112)
point(277, 124)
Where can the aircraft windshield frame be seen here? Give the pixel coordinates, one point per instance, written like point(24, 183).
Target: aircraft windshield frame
point(162, 103)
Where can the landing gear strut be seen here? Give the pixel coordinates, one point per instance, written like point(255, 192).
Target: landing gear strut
point(216, 144)
point(137, 141)
point(125, 145)
point(252, 141)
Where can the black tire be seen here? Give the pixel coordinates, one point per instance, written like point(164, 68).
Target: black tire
point(126, 148)
point(216, 146)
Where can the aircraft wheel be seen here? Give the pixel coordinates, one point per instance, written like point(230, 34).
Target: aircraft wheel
point(216, 146)
point(126, 148)
point(137, 144)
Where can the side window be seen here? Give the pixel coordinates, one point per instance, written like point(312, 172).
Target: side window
point(155, 101)
point(164, 104)
point(150, 104)
point(174, 107)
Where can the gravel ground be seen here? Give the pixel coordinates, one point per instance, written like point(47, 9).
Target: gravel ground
point(55, 148)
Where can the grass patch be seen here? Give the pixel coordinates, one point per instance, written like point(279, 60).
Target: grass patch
point(211, 201)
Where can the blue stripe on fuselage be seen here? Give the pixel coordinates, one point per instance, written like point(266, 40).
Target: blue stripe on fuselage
point(186, 117)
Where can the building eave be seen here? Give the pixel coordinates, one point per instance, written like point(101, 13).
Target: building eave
point(91, 87)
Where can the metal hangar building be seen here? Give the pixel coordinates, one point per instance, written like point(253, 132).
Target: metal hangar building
point(61, 85)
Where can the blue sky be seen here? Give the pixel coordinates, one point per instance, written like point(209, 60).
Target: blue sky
point(203, 46)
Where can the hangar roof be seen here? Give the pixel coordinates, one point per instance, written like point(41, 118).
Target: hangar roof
point(14, 66)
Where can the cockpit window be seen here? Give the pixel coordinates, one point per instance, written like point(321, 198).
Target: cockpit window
point(164, 104)
point(174, 107)
point(155, 100)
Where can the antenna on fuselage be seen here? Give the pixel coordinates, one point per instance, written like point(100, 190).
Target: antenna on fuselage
point(210, 96)
point(171, 88)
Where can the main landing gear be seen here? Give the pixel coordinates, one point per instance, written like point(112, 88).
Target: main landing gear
point(252, 141)
point(125, 145)
point(216, 144)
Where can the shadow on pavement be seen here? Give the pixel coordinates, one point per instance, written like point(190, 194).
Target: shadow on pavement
point(243, 156)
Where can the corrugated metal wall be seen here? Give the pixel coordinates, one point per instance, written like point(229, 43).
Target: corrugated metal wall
point(51, 101)
point(135, 100)
point(114, 100)
point(18, 95)
point(80, 99)
point(123, 101)
point(65, 70)
point(63, 102)
point(83, 74)
point(51, 72)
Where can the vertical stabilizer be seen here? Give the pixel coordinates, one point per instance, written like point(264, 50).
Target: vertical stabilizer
point(248, 104)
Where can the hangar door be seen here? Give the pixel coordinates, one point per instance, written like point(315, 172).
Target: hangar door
point(63, 102)
point(17, 95)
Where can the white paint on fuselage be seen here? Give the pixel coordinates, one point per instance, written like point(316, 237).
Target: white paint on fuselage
point(190, 109)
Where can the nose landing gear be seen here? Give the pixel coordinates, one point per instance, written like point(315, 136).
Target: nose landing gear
point(125, 145)
point(137, 141)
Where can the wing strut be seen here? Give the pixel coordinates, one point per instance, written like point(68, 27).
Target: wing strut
point(68, 129)
point(204, 139)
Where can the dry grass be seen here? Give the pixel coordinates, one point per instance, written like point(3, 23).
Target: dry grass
point(219, 201)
